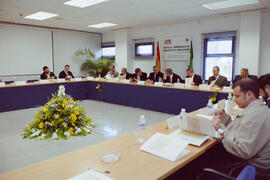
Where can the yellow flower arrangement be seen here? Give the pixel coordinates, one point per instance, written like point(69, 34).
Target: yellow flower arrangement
point(59, 118)
point(41, 125)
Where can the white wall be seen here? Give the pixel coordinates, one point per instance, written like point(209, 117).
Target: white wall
point(265, 44)
point(65, 45)
point(249, 45)
point(195, 30)
point(25, 50)
point(121, 49)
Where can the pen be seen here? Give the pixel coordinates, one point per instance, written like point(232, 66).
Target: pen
point(101, 170)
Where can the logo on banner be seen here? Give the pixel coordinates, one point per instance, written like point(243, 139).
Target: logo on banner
point(168, 41)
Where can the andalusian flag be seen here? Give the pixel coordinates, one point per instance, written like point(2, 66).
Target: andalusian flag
point(191, 56)
point(158, 57)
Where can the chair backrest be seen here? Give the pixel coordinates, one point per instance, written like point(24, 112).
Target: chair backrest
point(248, 173)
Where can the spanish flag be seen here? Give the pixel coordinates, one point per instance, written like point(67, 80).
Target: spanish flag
point(158, 57)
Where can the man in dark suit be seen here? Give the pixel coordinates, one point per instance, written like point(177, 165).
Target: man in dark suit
point(244, 74)
point(125, 74)
point(172, 77)
point(220, 81)
point(156, 75)
point(264, 83)
point(66, 73)
point(47, 74)
point(196, 79)
point(139, 75)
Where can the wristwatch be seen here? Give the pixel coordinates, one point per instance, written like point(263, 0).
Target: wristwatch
point(220, 131)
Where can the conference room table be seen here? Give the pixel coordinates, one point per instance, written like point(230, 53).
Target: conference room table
point(166, 98)
point(133, 164)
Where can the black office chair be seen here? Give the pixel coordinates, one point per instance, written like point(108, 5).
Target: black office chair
point(248, 173)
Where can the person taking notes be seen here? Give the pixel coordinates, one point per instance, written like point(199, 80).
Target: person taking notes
point(66, 73)
point(139, 75)
point(156, 75)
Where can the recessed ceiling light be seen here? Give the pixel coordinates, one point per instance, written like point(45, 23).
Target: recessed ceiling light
point(84, 3)
point(229, 4)
point(102, 25)
point(40, 16)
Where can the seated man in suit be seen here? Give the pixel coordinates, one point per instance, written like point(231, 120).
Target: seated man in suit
point(47, 74)
point(156, 75)
point(171, 77)
point(124, 74)
point(220, 81)
point(139, 75)
point(112, 73)
point(244, 74)
point(246, 139)
point(196, 79)
point(66, 73)
point(264, 82)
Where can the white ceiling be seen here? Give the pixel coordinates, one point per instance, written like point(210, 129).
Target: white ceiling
point(126, 13)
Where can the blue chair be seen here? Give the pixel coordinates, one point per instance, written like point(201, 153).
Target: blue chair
point(248, 173)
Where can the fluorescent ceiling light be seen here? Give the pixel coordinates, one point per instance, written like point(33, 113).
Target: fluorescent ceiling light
point(84, 3)
point(229, 4)
point(102, 25)
point(40, 16)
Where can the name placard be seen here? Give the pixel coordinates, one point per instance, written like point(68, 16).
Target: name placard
point(158, 84)
point(141, 82)
point(61, 80)
point(20, 82)
point(2, 84)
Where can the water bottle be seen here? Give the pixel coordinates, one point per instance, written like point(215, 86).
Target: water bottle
point(183, 111)
point(142, 129)
point(203, 82)
point(229, 104)
point(231, 84)
point(210, 104)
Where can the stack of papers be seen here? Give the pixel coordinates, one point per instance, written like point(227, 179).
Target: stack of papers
point(199, 123)
point(91, 174)
point(192, 138)
point(165, 146)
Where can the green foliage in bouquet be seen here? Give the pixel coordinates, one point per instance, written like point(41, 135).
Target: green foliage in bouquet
point(61, 117)
point(94, 66)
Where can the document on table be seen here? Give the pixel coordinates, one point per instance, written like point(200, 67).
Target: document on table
point(91, 174)
point(192, 138)
point(173, 122)
point(165, 146)
point(199, 123)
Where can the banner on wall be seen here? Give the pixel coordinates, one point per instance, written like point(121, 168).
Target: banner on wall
point(176, 48)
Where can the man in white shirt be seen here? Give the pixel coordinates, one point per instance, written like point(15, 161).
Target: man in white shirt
point(247, 137)
point(112, 73)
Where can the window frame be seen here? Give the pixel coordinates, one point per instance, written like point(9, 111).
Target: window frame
point(107, 46)
point(232, 54)
point(137, 44)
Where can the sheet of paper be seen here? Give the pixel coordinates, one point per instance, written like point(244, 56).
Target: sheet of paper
point(192, 138)
point(165, 146)
point(173, 122)
point(199, 123)
point(91, 174)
